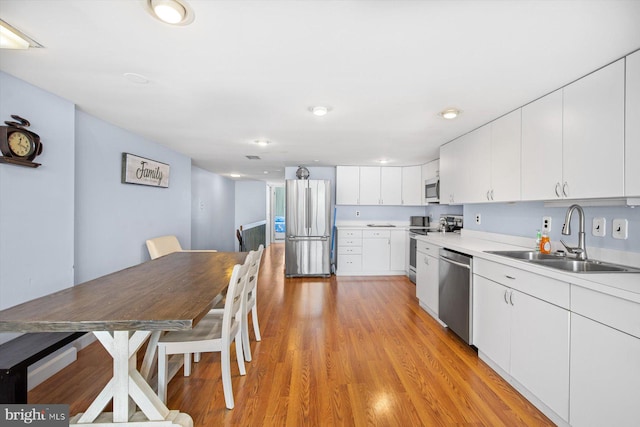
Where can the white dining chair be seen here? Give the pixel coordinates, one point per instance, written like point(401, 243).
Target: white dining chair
point(165, 245)
point(214, 333)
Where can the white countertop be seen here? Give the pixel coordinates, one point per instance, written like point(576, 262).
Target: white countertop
point(622, 285)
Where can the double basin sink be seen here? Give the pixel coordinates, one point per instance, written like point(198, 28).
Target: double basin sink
point(566, 264)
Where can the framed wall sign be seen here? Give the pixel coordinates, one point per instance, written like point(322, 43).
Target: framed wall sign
point(141, 171)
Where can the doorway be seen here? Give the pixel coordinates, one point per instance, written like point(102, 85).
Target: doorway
point(278, 202)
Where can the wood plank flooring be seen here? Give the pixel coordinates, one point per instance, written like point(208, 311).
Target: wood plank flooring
point(334, 352)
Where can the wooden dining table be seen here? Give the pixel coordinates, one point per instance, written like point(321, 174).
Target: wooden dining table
point(123, 309)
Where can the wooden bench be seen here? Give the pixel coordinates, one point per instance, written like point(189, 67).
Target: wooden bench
point(16, 356)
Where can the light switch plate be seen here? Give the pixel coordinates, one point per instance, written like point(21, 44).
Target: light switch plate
point(620, 229)
point(598, 228)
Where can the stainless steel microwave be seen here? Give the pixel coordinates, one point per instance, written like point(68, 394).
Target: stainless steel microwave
point(432, 190)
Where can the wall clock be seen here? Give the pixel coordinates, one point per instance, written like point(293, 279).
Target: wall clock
point(18, 145)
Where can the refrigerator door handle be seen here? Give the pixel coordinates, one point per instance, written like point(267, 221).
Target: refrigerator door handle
point(319, 238)
point(307, 198)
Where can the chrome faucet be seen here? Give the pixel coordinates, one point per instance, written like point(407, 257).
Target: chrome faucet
point(580, 251)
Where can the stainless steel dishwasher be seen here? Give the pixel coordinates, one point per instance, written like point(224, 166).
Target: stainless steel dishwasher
point(455, 293)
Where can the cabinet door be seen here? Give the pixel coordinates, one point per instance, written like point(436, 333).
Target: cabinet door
point(492, 320)
point(540, 350)
point(542, 148)
point(391, 186)
point(399, 246)
point(605, 373)
point(369, 185)
point(422, 277)
point(593, 134)
point(449, 180)
point(475, 166)
point(505, 158)
point(432, 281)
point(347, 185)
point(375, 254)
point(412, 185)
point(632, 123)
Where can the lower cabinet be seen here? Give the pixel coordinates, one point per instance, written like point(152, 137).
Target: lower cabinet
point(427, 276)
point(371, 251)
point(376, 247)
point(605, 361)
point(525, 337)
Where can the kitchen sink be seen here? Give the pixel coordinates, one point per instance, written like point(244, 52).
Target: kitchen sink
point(562, 263)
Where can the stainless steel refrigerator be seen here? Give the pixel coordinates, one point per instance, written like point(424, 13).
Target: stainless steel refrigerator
point(308, 228)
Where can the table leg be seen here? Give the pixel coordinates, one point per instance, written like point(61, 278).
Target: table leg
point(128, 389)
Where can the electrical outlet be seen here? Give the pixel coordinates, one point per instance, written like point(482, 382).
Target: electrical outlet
point(620, 229)
point(546, 224)
point(598, 227)
point(478, 219)
point(357, 213)
point(201, 205)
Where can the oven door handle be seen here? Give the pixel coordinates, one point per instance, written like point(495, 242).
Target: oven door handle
point(459, 264)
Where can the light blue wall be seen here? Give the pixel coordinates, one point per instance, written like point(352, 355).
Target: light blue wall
point(250, 203)
point(523, 219)
point(113, 220)
point(36, 205)
point(212, 211)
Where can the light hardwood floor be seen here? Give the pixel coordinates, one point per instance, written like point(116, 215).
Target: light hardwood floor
point(334, 352)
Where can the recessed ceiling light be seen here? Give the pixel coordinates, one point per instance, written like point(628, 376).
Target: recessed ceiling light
point(383, 161)
point(234, 175)
point(174, 12)
point(11, 38)
point(262, 142)
point(450, 113)
point(266, 172)
point(319, 110)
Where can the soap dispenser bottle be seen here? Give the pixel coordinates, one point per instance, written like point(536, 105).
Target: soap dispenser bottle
point(538, 240)
point(545, 244)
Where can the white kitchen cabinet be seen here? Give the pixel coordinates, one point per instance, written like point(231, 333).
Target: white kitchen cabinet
point(465, 168)
point(349, 251)
point(347, 185)
point(397, 251)
point(542, 148)
point(427, 276)
point(505, 158)
point(431, 170)
point(632, 125)
point(369, 185)
point(526, 337)
point(573, 139)
point(412, 186)
point(391, 186)
point(376, 249)
point(605, 374)
point(593, 134)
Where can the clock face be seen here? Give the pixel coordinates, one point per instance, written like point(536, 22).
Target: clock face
point(20, 144)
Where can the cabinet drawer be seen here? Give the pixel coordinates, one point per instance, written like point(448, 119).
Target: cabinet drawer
point(349, 241)
point(547, 289)
point(347, 263)
point(376, 234)
point(350, 234)
point(616, 312)
point(428, 248)
point(349, 250)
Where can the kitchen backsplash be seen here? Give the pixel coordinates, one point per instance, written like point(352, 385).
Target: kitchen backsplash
point(525, 218)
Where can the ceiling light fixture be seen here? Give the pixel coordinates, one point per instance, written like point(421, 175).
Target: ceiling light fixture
point(136, 78)
point(262, 142)
point(383, 161)
point(11, 38)
point(450, 113)
point(319, 110)
point(174, 12)
point(234, 175)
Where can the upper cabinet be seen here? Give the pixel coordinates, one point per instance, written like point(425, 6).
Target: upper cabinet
point(375, 185)
point(412, 185)
point(632, 135)
point(593, 134)
point(347, 185)
point(505, 158)
point(573, 139)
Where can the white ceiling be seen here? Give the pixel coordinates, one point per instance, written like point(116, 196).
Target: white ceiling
point(245, 70)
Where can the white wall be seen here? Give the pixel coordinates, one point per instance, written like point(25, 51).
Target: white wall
point(113, 220)
point(250, 203)
point(36, 205)
point(212, 211)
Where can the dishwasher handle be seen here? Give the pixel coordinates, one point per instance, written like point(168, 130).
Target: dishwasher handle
point(459, 264)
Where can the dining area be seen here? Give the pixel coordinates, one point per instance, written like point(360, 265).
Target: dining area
point(179, 302)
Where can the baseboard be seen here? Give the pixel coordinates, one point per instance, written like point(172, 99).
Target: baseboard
point(50, 365)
